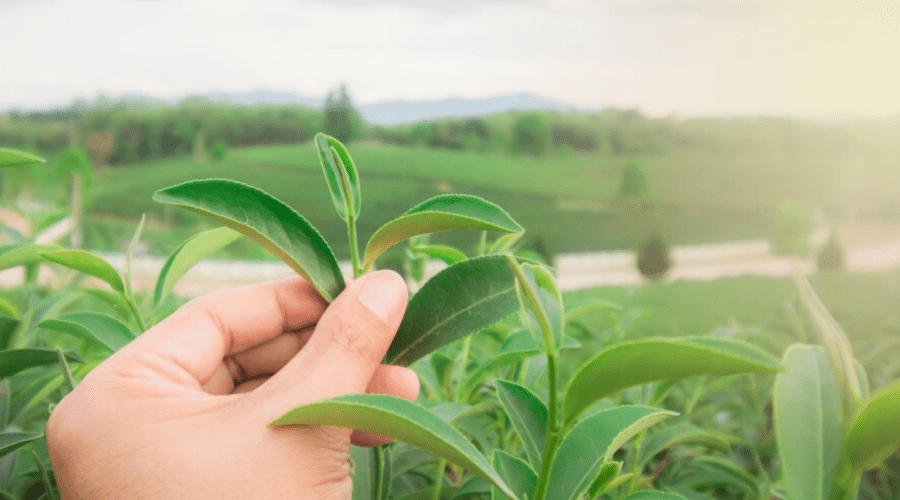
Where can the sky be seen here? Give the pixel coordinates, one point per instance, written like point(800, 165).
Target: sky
point(806, 58)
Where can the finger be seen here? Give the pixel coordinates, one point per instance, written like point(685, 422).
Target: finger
point(393, 380)
point(347, 346)
point(261, 360)
point(190, 345)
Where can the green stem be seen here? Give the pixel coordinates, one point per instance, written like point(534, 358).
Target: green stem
point(378, 466)
point(461, 366)
point(65, 369)
point(439, 479)
point(134, 312)
point(354, 247)
point(554, 434)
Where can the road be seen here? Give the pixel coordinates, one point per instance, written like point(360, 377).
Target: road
point(576, 270)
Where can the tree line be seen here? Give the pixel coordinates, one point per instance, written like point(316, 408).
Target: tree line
point(124, 132)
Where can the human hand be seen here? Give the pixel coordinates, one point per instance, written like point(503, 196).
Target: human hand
point(182, 411)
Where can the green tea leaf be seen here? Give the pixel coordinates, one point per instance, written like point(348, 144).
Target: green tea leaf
point(400, 419)
point(448, 255)
point(654, 495)
point(340, 174)
point(874, 433)
point(13, 158)
point(604, 479)
point(456, 302)
point(89, 264)
point(4, 403)
point(520, 477)
point(836, 344)
point(592, 442)
point(589, 309)
point(442, 213)
point(8, 310)
point(7, 327)
point(528, 415)
point(541, 302)
point(501, 359)
point(638, 362)
point(189, 254)
point(99, 329)
point(265, 220)
point(15, 360)
point(807, 408)
point(12, 441)
point(680, 434)
point(20, 255)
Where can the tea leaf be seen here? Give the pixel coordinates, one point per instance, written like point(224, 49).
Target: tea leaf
point(654, 495)
point(340, 174)
point(520, 477)
point(8, 310)
point(13, 158)
point(638, 362)
point(605, 478)
point(20, 255)
point(541, 302)
point(12, 441)
point(265, 220)
point(456, 302)
point(528, 415)
point(836, 344)
point(441, 213)
point(592, 442)
point(89, 264)
point(874, 433)
point(400, 419)
point(807, 408)
point(99, 329)
point(680, 434)
point(15, 360)
point(7, 327)
point(448, 255)
point(589, 309)
point(501, 359)
point(189, 254)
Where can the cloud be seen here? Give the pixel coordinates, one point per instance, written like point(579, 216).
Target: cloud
point(445, 6)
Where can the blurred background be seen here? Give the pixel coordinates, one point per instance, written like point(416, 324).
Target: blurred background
point(732, 138)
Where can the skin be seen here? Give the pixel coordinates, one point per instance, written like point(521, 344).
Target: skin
point(182, 411)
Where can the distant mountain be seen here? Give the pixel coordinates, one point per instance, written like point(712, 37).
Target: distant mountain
point(396, 112)
point(380, 113)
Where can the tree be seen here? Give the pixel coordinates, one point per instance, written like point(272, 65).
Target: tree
point(341, 119)
point(532, 134)
point(832, 256)
point(635, 182)
point(794, 223)
point(653, 259)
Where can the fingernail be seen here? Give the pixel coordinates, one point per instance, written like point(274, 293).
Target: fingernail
point(383, 293)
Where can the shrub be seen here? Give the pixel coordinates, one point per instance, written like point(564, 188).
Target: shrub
point(832, 256)
point(635, 182)
point(219, 150)
point(653, 259)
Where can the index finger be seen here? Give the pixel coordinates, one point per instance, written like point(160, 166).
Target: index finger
point(193, 341)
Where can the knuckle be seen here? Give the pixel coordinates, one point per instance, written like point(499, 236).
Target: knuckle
point(355, 338)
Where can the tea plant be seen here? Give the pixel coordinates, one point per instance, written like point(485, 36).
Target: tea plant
point(830, 430)
point(467, 296)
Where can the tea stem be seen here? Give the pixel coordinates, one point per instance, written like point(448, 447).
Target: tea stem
point(354, 247)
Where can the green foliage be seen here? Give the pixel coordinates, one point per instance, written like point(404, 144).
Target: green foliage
point(653, 258)
point(340, 118)
point(219, 150)
point(635, 181)
point(832, 256)
point(13, 158)
point(532, 134)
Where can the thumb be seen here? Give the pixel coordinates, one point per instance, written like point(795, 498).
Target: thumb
point(346, 347)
